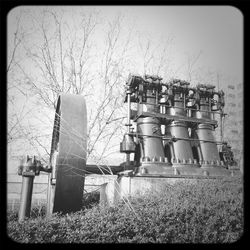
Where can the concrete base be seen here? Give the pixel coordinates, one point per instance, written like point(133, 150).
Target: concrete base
point(114, 188)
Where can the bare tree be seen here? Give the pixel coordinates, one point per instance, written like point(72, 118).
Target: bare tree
point(155, 55)
point(63, 60)
point(191, 61)
point(69, 57)
point(104, 126)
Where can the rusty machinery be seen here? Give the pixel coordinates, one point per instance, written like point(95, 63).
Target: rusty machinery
point(170, 133)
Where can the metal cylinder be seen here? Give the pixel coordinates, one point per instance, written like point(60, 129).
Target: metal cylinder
point(182, 148)
point(128, 111)
point(26, 197)
point(152, 146)
point(209, 150)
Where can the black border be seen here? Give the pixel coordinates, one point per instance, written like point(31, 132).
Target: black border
point(7, 5)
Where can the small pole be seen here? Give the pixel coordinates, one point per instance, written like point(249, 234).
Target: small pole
point(221, 127)
point(128, 121)
point(129, 110)
point(28, 169)
point(26, 196)
point(221, 113)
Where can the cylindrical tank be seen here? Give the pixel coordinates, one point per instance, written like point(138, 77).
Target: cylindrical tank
point(151, 146)
point(150, 127)
point(209, 150)
point(182, 148)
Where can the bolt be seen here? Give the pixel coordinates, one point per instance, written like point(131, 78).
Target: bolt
point(154, 159)
point(161, 159)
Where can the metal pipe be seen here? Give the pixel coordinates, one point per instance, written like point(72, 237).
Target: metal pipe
point(221, 127)
point(26, 197)
point(128, 121)
point(128, 158)
point(129, 110)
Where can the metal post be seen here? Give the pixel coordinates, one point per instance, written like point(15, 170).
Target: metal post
point(128, 122)
point(26, 196)
point(129, 111)
point(221, 127)
point(28, 168)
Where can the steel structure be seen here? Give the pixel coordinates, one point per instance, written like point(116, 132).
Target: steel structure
point(174, 128)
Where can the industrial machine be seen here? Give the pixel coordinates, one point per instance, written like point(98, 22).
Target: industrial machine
point(170, 133)
point(175, 126)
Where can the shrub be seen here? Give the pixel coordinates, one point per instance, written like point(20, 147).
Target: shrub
point(208, 212)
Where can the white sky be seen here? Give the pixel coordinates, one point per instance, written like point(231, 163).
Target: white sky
point(216, 31)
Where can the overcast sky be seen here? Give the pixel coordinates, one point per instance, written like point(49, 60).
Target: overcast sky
point(214, 31)
point(217, 31)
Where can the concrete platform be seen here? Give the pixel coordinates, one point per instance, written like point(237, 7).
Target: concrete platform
point(114, 188)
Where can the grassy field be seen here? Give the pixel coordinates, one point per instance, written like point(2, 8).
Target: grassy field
point(209, 212)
